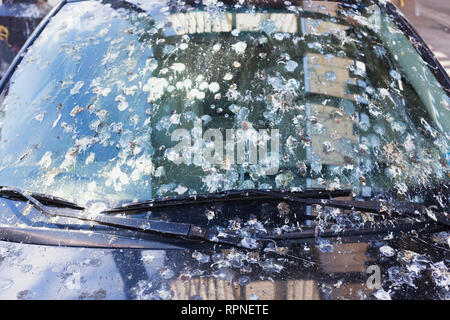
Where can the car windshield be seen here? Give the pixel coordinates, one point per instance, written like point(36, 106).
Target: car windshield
point(130, 102)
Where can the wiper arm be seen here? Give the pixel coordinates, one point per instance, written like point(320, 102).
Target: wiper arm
point(119, 222)
point(227, 196)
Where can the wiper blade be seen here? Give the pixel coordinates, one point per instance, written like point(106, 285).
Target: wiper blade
point(41, 198)
point(321, 197)
point(227, 196)
point(374, 206)
point(367, 229)
point(176, 229)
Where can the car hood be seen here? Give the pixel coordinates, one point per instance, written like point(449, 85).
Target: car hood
point(405, 268)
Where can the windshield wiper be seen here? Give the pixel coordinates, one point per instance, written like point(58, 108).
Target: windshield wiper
point(374, 206)
point(382, 207)
point(228, 196)
point(321, 197)
point(316, 197)
point(387, 228)
point(192, 232)
point(176, 229)
point(38, 200)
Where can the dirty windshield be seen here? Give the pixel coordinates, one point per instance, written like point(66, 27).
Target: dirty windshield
point(130, 102)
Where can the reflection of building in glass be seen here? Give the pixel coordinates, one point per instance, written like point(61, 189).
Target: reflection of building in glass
point(206, 288)
point(324, 7)
point(352, 291)
point(302, 290)
point(282, 22)
point(330, 75)
point(322, 27)
point(337, 131)
point(200, 22)
point(344, 268)
point(216, 289)
point(346, 257)
point(203, 22)
point(285, 290)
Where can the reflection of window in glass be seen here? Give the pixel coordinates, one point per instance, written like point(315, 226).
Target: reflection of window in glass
point(336, 130)
point(209, 288)
point(329, 75)
point(302, 290)
point(200, 22)
point(206, 288)
point(265, 290)
point(346, 257)
point(321, 27)
point(289, 290)
point(374, 17)
point(350, 291)
point(280, 21)
point(324, 7)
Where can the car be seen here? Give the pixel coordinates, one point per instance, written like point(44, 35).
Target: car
point(168, 149)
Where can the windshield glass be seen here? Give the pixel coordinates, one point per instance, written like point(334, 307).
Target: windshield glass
point(119, 103)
